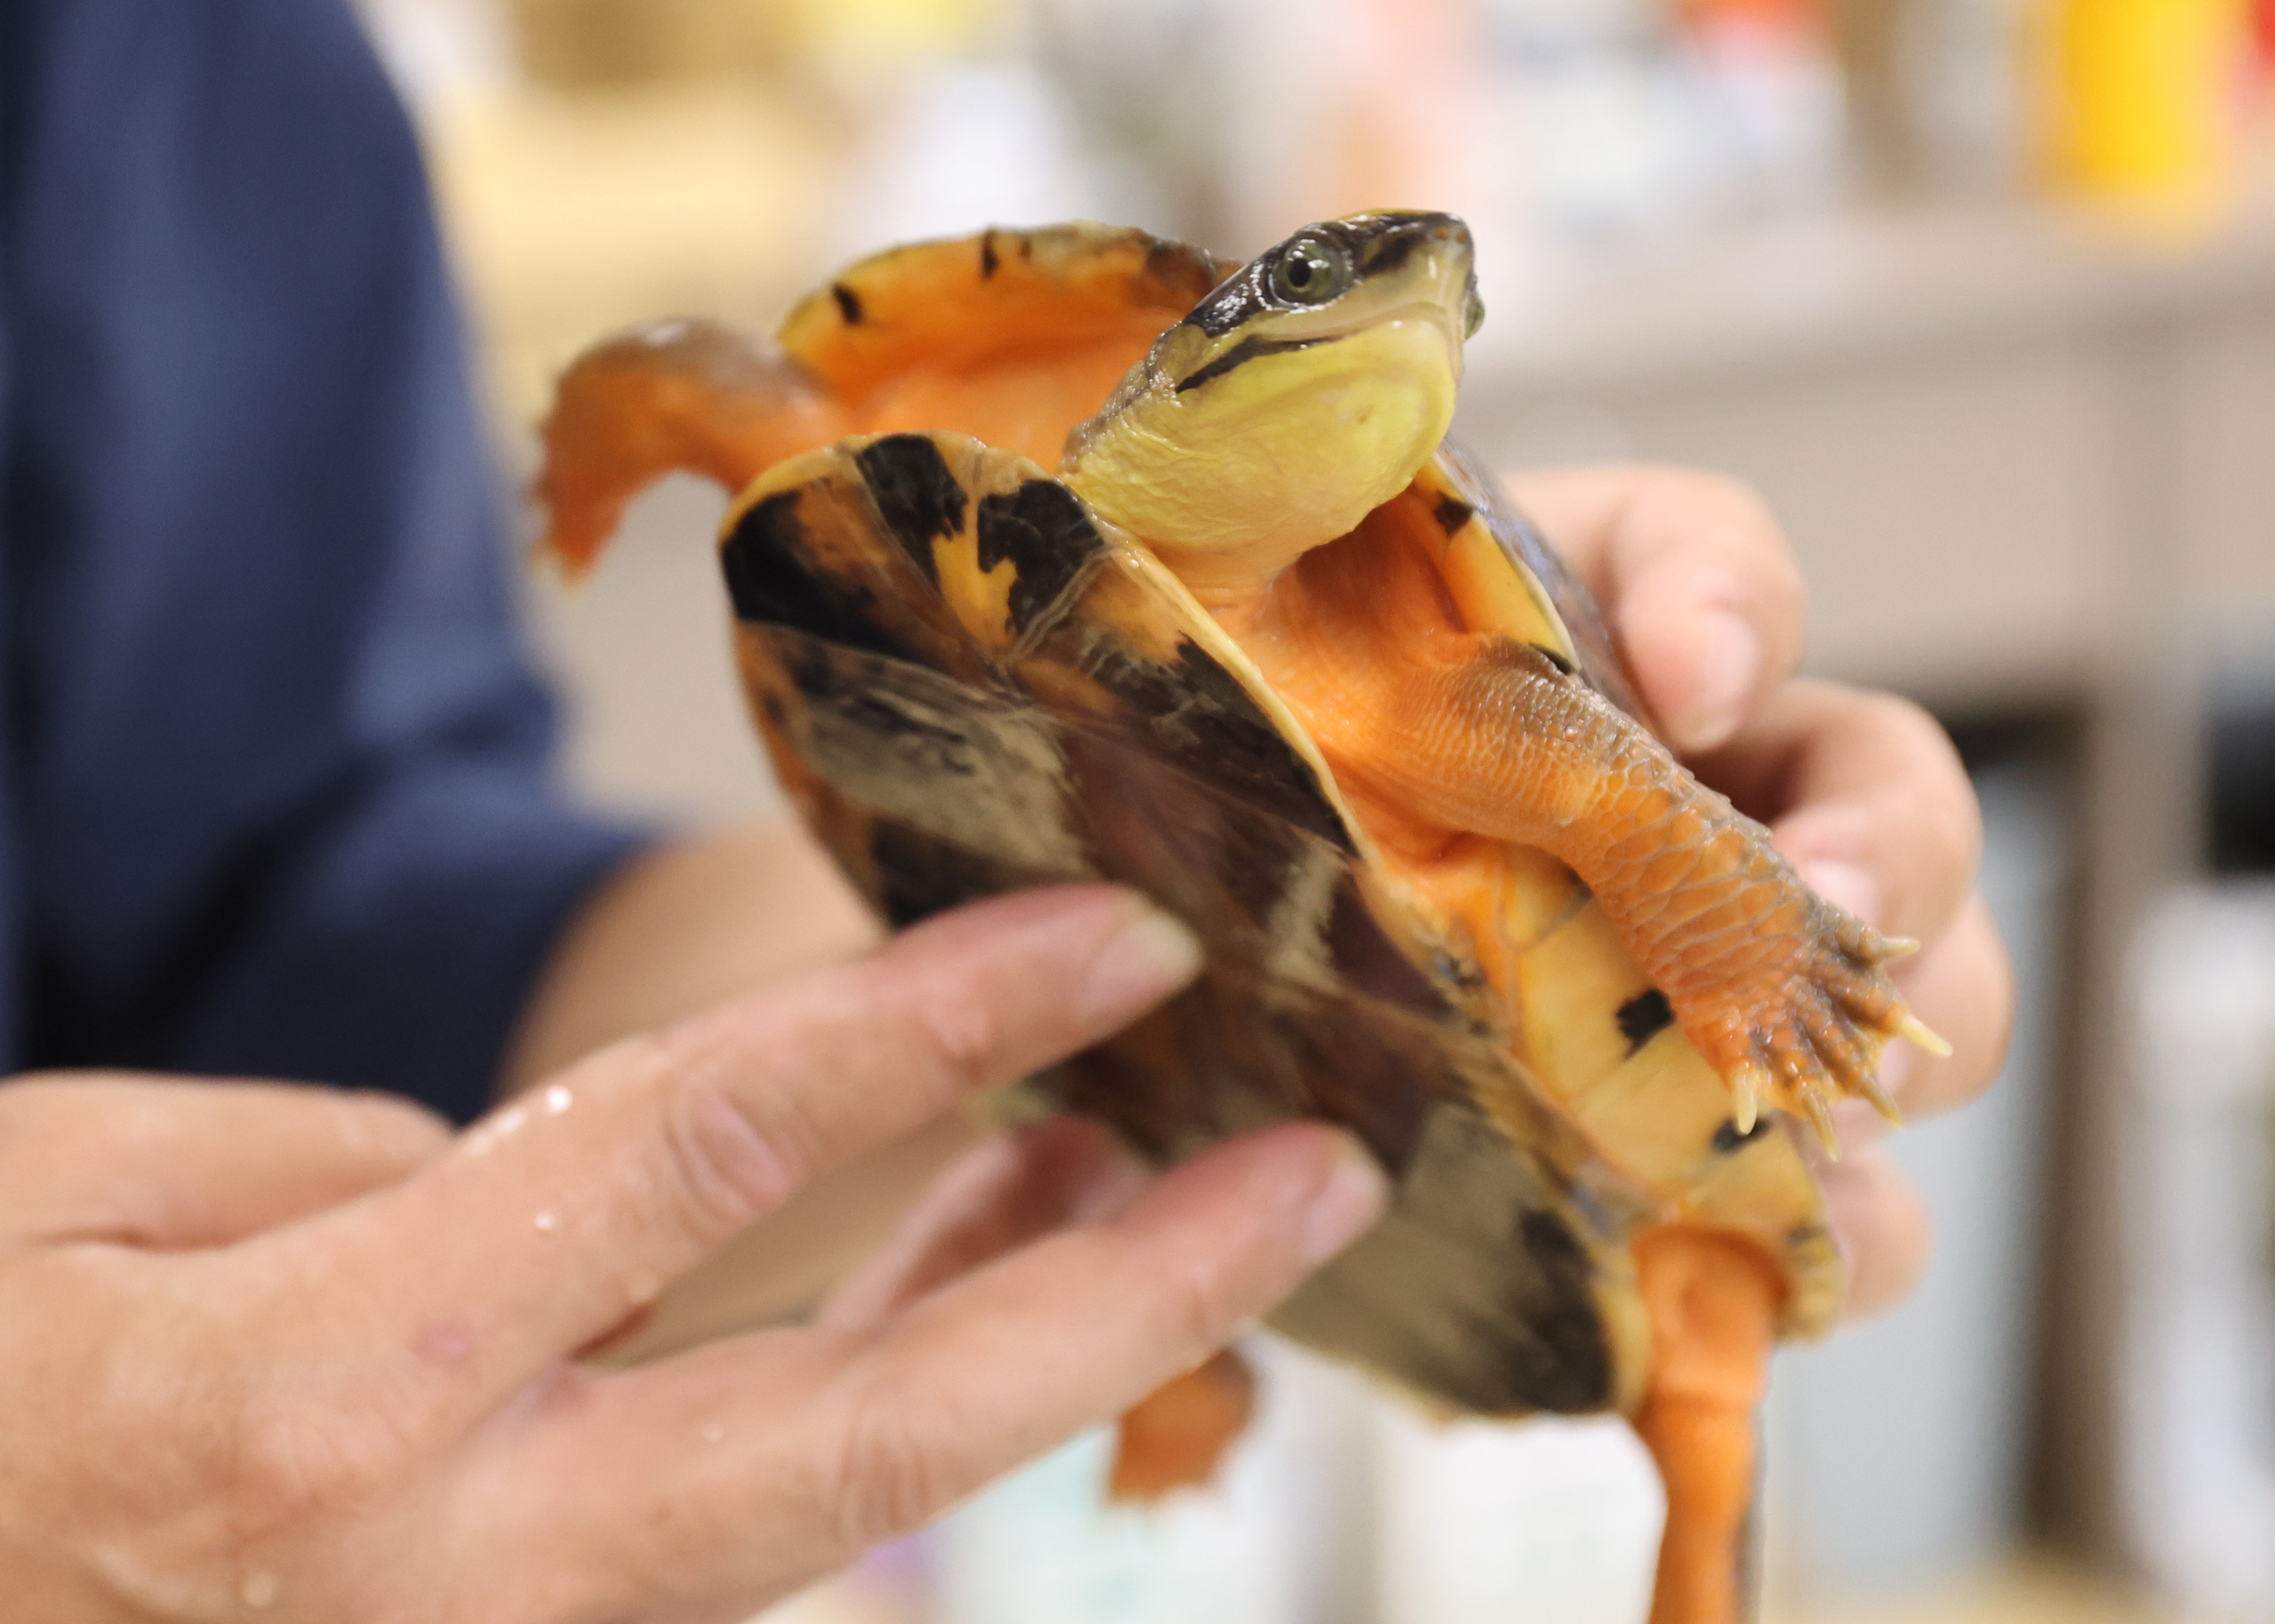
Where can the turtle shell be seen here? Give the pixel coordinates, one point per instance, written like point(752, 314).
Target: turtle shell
point(971, 684)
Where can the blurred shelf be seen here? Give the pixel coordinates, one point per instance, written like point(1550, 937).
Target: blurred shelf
point(1856, 283)
point(2012, 449)
point(2023, 1593)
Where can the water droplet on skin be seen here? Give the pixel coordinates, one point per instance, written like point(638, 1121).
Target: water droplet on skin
point(546, 1222)
point(260, 1589)
point(714, 1433)
point(482, 1138)
point(557, 1099)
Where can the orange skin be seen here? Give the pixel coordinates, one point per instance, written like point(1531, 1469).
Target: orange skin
point(1713, 1302)
point(1499, 748)
point(1177, 1435)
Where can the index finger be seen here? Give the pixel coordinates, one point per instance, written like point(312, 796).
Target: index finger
point(1695, 580)
point(578, 1204)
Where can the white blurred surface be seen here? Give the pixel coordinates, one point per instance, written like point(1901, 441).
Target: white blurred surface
point(1898, 1449)
point(2200, 1344)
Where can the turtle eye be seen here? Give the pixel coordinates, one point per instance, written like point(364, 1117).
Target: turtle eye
point(1311, 271)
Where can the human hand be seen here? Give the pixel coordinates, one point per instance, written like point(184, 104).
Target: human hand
point(287, 1354)
point(1862, 791)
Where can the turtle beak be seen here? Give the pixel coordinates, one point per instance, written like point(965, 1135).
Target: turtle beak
point(1421, 259)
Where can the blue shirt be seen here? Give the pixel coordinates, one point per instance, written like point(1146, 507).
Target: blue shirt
point(274, 793)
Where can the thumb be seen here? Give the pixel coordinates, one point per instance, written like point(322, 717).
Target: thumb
point(174, 1163)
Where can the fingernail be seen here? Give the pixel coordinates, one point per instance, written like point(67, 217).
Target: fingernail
point(1349, 1204)
point(1849, 885)
point(1728, 667)
point(1142, 963)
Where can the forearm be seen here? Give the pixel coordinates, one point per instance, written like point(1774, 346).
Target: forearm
point(688, 924)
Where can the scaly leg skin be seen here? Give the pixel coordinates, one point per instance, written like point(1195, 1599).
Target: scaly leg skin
point(1176, 1436)
point(1713, 1302)
point(692, 396)
point(1783, 993)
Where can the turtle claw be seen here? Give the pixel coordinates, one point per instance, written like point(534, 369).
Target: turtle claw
point(1807, 1029)
point(1910, 1025)
point(1877, 1098)
point(1821, 1118)
point(1745, 1097)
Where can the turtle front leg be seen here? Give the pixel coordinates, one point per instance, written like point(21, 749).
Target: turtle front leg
point(1784, 994)
point(692, 396)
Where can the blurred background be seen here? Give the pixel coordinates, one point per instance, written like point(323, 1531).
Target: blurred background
point(1981, 293)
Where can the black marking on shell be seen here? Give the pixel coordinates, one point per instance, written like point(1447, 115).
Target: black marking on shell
point(921, 876)
point(848, 302)
point(1457, 972)
point(1243, 750)
point(1564, 667)
point(1452, 513)
point(1643, 1018)
point(763, 561)
point(1523, 545)
point(1575, 1373)
point(916, 494)
point(1369, 962)
point(1246, 350)
point(989, 263)
point(1511, 1323)
point(1045, 530)
point(1257, 874)
point(1727, 1139)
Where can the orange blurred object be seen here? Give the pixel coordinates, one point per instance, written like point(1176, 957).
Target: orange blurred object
point(1175, 1437)
point(1810, 19)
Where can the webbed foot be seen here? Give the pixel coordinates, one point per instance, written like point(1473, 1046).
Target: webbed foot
point(1799, 1018)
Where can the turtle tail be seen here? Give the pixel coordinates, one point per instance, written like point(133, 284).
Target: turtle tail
point(691, 396)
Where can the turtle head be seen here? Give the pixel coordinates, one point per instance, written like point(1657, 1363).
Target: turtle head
point(1301, 394)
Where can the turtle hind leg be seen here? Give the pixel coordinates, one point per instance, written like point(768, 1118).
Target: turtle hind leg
point(692, 396)
point(1176, 1436)
point(1712, 1300)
